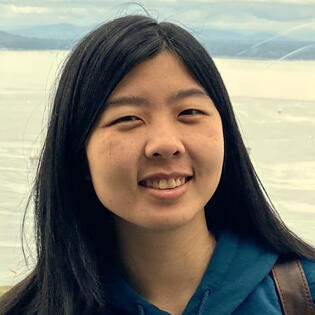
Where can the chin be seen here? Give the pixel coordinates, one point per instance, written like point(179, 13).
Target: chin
point(169, 221)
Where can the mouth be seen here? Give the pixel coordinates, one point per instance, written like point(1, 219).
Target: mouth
point(165, 183)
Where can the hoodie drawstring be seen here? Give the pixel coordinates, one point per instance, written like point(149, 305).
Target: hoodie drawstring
point(204, 301)
point(140, 309)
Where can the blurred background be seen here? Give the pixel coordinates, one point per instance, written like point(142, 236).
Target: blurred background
point(264, 50)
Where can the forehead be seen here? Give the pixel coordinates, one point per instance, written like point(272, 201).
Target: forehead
point(163, 73)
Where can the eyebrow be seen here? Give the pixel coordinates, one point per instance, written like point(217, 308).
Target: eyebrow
point(136, 100)
point(187, 93)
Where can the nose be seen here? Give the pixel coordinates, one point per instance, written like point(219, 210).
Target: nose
point(164, 142)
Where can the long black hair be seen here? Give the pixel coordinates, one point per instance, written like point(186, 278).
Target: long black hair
point(74, 232)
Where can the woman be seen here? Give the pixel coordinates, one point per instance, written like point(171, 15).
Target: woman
point(146, 201)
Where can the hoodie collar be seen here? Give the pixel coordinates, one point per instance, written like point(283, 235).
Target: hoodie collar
point(237, 266)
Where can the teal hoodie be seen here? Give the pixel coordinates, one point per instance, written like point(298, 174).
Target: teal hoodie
point(237, 281)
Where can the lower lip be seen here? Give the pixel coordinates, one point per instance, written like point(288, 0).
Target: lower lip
point(167, 194)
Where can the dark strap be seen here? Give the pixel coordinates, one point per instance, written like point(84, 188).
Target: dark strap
point(292, 287)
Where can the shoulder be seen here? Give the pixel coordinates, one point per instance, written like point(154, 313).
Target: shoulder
point(309, 270)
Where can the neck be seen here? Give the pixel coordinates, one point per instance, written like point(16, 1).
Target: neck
point(159, 263)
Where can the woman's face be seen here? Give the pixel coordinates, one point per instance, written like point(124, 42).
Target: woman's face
point(160, 129)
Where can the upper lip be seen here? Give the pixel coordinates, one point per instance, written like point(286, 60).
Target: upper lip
point(159, 176)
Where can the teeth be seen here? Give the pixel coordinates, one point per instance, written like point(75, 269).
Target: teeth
point(164, 183)
point(171, 183)
point(155, 184)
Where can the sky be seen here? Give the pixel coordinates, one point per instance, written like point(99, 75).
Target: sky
point(275, 15)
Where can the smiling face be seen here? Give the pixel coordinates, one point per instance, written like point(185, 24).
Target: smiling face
point(156, 152)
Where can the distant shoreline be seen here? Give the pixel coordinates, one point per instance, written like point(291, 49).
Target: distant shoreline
point(212, 55)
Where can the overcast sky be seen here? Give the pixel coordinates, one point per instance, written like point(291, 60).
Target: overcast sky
point(277, 15)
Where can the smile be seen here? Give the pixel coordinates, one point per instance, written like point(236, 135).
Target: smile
point(165, 183)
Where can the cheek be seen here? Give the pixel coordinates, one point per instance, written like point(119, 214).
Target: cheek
point(110, 151)
point(110, 161)
point(117, 152)
point(208, 152)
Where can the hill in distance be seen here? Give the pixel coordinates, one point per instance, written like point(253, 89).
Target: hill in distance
point(15, 42)
point(63, 31)
point(220, 43)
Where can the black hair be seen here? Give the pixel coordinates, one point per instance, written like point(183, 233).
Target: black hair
point(75, 237)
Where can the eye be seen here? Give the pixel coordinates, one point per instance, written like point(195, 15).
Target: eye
point(126, 119)
point(192, 112)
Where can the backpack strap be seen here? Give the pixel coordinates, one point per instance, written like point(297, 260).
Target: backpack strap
point(292, 287)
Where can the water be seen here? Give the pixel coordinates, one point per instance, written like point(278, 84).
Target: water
point(273, 100)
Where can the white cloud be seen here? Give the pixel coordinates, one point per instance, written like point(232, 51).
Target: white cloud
point(233, 14)
point(27, 9)
point(252, 23)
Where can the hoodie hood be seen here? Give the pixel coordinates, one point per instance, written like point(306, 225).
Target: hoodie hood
point(238, 265)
